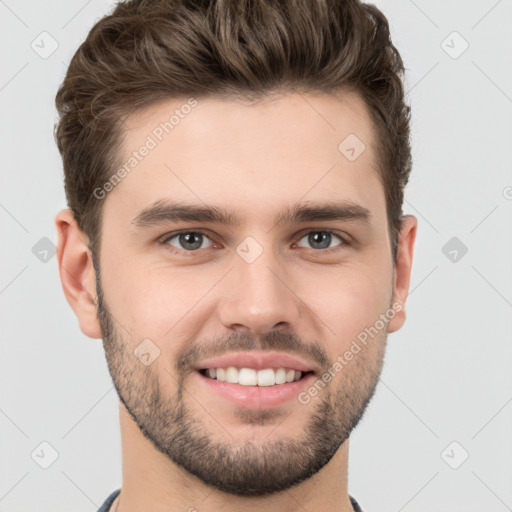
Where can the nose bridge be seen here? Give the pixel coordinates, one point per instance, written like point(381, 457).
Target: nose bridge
point(257, 297)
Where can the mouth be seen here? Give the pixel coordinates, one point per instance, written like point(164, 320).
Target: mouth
point(252, 377)
point(255, 380)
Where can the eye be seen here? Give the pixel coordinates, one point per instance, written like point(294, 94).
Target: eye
point(189, 241)
point(322, 239)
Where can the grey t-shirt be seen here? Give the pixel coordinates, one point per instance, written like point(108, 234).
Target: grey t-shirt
point(108, 503)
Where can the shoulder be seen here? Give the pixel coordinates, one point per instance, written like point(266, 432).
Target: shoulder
point(355, 505)
point(108, 502)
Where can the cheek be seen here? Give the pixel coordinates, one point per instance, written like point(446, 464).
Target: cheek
point(152, 301)
point(348, 300)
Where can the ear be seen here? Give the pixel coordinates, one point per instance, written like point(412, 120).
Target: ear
point(77, 273)
point(402, 271)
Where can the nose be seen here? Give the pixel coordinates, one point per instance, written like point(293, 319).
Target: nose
point(259, 297)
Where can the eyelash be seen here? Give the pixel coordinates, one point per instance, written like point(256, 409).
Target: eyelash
point(166, 238)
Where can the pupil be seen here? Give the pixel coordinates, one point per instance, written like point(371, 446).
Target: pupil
point(187, 239)
point(320, 237)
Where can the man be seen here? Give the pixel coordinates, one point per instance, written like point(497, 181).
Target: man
point(235, 173)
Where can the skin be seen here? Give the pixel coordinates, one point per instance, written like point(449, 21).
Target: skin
point(253, 159)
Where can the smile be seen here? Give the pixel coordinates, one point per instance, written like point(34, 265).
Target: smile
point(253, 377)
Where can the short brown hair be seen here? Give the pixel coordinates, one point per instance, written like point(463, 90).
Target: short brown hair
point(147, 51)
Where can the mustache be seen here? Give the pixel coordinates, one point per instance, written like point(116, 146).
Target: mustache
point(283, 341)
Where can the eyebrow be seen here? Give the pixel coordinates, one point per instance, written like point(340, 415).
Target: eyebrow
point(167, 211)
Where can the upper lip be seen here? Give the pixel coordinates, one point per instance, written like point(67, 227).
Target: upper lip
point(256, 360)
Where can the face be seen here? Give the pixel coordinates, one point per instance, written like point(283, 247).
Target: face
point(244, 248)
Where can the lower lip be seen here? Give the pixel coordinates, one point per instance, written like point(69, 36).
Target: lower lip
point(257, 397)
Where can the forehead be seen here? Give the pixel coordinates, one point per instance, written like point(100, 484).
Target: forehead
point(253, 157)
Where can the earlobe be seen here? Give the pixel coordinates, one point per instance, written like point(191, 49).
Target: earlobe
point(77, 274)
point(402, 272)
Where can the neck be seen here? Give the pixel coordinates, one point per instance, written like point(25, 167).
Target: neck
point(151, 477)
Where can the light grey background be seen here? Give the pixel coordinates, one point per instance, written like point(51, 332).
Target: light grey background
point(447, 375)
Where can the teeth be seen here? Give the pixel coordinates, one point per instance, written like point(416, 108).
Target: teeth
point(266, 377)
point(281, 376)
point(247, 377)
point(252, 377)
point(232, 375)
